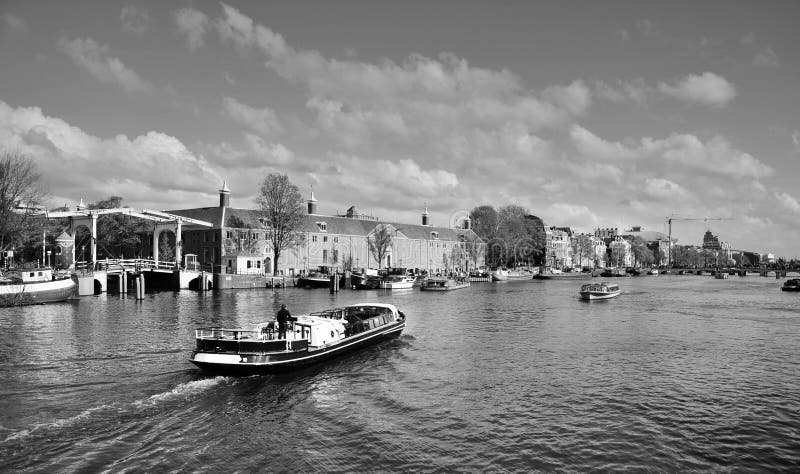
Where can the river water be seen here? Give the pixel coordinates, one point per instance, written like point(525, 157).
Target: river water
point(678, 373)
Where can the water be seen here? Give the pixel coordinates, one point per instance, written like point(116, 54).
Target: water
point(678, 373)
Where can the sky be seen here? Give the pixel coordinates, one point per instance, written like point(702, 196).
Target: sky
point(588, 114)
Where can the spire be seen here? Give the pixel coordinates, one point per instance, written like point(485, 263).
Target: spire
point(312, 203)
point(425, 215)
point(224, 195)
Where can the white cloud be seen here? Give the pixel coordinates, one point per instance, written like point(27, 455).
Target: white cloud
point(263, 121)
point(135, 20)
point(647, 27)
point(634, 90)
point(796, 139)
point(766, 57)
point(95, 58)
point(664, 190)
point(194, 24)
point(707, 88)
point(788, 201)
point(575, 97)
point(14, 23)
point(73, 161)
point(749, 38)
point(593, 146)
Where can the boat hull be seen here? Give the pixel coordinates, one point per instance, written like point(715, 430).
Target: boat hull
point(598, 295)
point(313, 282)
point(457, 286)
point(790, 288)
point(275, 363)
point(18, 294)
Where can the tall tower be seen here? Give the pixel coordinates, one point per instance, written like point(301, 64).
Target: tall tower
point(224, 195)
point(467, 223)
point(425, 216)
point(312, 204)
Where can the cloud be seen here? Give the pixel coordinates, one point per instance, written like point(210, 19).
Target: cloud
point(134, 20)
point(788, 201)
point(707, 89)
point(194, 24)
point(766, 57)
point(749, 38)
point(647, 27)
point(796, 139)
point(634, 90)
point(426, 91)
point(88, 54)
point(575, 97)
point(623, 34)
point(73, 161)
point(660, 189)
point(593, 146)
point(14, 23)
point(263, 121)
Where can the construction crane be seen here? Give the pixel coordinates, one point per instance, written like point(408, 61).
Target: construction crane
point(677, 218)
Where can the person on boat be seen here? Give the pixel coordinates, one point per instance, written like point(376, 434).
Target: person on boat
point(283, 320)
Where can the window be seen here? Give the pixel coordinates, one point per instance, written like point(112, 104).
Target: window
point(434, 235)
point(324, 238)
point(323, 226)
point(205, 236)
point(256, 236)
point(228, 234)
point(249, 264)
point(313, 238)
point(336, 239)
point(325, 256)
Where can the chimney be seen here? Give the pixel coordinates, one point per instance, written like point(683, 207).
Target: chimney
point(312, 204)
point(425, 216)
point(224, 195)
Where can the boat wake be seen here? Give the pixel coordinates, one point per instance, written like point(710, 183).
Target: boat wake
point(181, 392)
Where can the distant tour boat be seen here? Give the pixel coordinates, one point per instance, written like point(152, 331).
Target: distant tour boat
point(599, 291)
point(35, 286)
point(792, 284)
point(311, 339)
point(443, 284)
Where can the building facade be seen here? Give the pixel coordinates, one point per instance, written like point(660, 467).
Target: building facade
point(237, 243)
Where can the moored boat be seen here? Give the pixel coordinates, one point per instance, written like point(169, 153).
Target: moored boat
point(312, 338)
point(504, 274)
point(314, 280)
point(35, 286)
point(366, 279)
point(444, 284)
point(397, 282)
point(792, 284)
point(599, 291)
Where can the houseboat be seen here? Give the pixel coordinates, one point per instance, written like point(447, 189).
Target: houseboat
point(35, 286)
point(504, 274)
point(311, 339)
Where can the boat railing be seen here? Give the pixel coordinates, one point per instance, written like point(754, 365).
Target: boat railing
point(221, 333)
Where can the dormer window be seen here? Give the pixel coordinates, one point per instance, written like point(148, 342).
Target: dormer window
point(434, 235)
point(323, 226)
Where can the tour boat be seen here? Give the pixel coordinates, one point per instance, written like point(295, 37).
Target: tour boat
point(792, 284)
point(599, 291)
point(35, 286)
point(397, 282)
point(653, 271)
point(443, 284)
point(311, 339)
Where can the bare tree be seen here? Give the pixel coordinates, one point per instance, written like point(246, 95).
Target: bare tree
point(20, 193)
point(281, 208)
point(379, 242)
